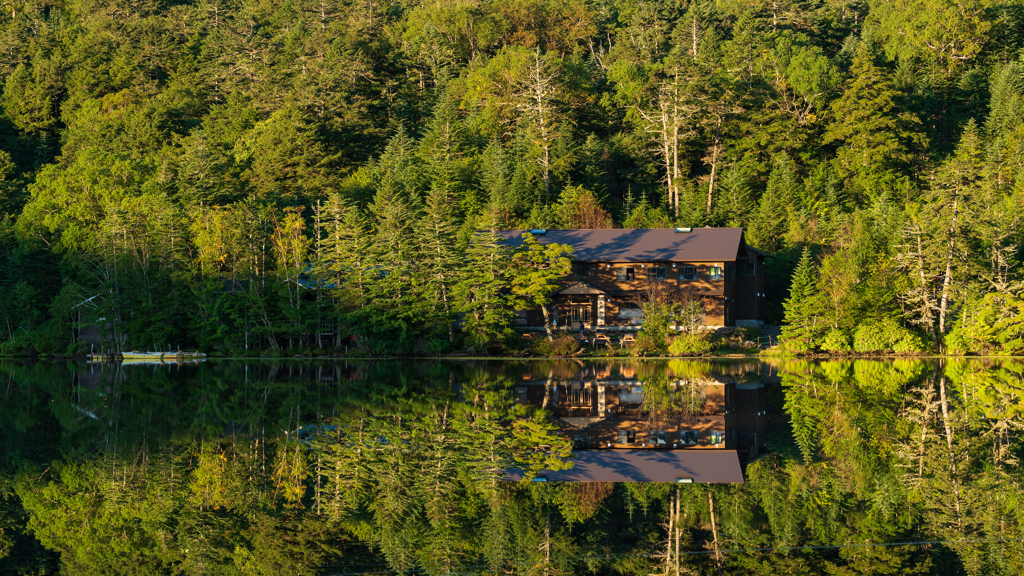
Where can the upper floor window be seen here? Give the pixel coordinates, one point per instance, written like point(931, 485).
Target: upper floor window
point(655, 273)
point(687, 272)
point(581, 268)
point(728, 272)
point(624, 274)
point(715, 273)
point(745, 269)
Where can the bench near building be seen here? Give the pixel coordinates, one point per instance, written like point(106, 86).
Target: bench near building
point(612, 268)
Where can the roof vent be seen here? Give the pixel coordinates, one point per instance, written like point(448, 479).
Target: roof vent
point(684, 230)
point(538, 231)
point(684, 480)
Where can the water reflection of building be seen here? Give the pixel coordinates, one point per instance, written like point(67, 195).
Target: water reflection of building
point(616, 409)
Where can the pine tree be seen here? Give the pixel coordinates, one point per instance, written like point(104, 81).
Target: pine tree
point(480, 291)
point(801, 329)
point(439, 260)
point(872, 132)
point(769, 223)
point(952, 207)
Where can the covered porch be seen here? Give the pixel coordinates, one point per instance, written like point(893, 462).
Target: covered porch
point(581, 306)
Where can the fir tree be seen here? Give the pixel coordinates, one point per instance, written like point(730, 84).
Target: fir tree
point(873, 133)
point(487, 316)
point(801, 329)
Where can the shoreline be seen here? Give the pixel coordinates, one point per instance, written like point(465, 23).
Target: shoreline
point(736, 356)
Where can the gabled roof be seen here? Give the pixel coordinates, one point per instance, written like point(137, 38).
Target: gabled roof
point(580, 288)
point(643, 244)
point(704, 466)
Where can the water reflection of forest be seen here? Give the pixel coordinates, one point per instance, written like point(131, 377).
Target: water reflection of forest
point(320, 468)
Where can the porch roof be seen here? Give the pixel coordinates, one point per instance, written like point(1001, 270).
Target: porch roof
point(579, 288)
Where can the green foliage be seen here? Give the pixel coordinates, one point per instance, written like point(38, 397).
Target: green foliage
point(396, 465)
point(995, 323)
point(691, 345)
point(294, 176)
point(836, 341)
point(801, 329)
point(874, 134)
point(561, 345)
point(886, 335)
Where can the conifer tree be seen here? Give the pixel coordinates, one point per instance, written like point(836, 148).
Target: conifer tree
point(952, 207)
point(487, 316)
point(801, 329)
point(439, 259)
point(873, 133)
point(769, 224)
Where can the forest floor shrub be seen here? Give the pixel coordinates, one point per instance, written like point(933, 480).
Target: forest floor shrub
point(886, 335)
point(691, 345)
point(837, 342)
point(561, 345)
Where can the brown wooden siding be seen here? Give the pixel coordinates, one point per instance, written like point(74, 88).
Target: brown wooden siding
point(603, 276)
point(727, 300)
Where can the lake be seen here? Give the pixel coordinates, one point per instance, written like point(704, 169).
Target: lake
point(548, 467)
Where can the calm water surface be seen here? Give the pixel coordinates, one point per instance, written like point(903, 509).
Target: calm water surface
point(280, 467)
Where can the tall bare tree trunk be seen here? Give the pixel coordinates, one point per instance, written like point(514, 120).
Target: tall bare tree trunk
point(948, 276)
point(952, 455)
point(677, 531)
point(547, 322)
point(675, 144)
point(714, 532)
point(671, 530)
point(717, 148)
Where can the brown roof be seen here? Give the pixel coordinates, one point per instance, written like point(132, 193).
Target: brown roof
point(580, 288)
point(643, 244)
point(704, 466)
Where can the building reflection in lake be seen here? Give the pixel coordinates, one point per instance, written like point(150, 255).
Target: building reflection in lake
point(611, 406)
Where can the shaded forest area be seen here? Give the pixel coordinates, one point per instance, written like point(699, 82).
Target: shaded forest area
point(251, 175)
point(276, 468)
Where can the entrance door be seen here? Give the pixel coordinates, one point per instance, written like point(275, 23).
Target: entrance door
point(580, 313)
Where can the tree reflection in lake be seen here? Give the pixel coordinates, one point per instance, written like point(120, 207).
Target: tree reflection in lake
point(345, 468)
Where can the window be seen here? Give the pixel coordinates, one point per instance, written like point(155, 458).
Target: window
point(688, 437)
point(717, 437)
point(626, 274)
point(745, 269)
point(655, 273)
point(687, 272)
point(581, 268)
point(620, 274)
point(728, 272)
point(631, 314)
point(716, 273)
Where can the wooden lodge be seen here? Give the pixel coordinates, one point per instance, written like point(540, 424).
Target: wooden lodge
point(702, 428)
point(612, 269)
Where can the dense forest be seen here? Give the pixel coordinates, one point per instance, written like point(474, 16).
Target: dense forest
point(890, 467)
point(238, 175)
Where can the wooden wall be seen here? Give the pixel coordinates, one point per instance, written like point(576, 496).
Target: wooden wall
point(728, 300)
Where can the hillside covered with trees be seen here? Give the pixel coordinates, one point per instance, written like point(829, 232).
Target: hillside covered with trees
point(236, 173)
